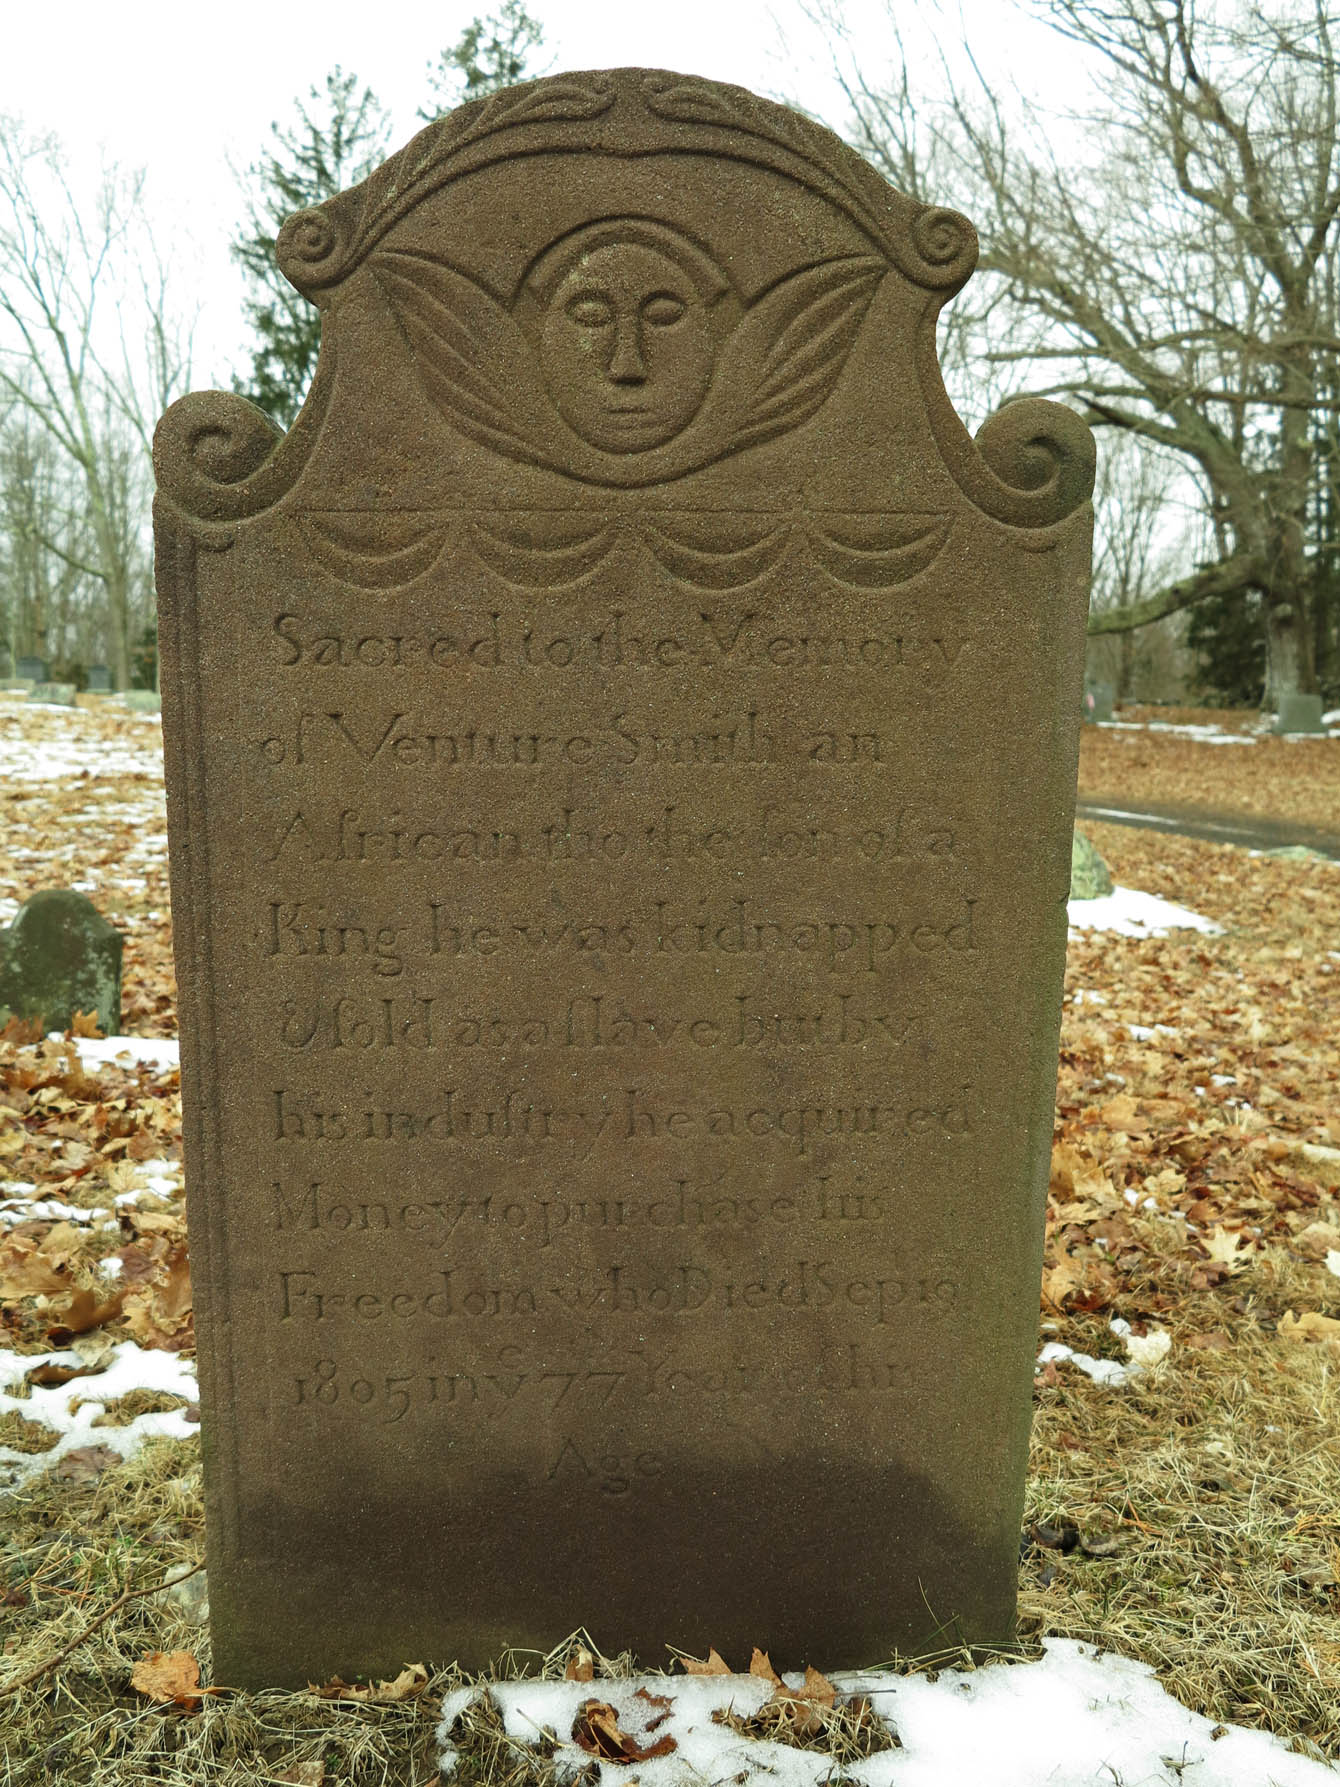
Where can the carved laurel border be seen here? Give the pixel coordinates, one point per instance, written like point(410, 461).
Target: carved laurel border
point(1030, 467)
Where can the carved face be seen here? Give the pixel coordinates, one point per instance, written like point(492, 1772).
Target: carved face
point(628, 337)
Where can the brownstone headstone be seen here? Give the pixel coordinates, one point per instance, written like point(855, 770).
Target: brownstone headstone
point(621, 755)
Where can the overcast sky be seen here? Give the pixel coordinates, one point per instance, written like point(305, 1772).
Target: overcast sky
point(188, 90)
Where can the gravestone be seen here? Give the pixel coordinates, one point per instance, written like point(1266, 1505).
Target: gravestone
point(99, 680)
point(60, 956)
point(620, 971)
point(54, 694)
point(143, 701)
point(1098, 702)
point(32, 670)
point(1089, 875)
point(1299, 713)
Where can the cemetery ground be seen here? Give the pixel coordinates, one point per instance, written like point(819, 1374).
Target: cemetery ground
point(1184, 1494)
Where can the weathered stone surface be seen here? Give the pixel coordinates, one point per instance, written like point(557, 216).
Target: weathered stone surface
point(99, 680)
point(1089, 877)
point(54, 694)
point(1299, 713)
point(60, 956)
point(143, 701)
point(620, 966)
point(1098, 702)
point(32, 670)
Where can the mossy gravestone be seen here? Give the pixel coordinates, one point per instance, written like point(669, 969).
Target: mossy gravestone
point(58, 957)
point(1089, 877)
point(620, 967)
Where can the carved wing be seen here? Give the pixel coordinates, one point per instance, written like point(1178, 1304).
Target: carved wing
point(474, 362)
point(787, 354)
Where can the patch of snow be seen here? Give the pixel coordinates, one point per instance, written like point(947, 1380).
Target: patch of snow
point(1143, 1032)
point(1333, 1261)
point(136, 1051)
point(1205, 735)
point(15, 1210)
point(1087, 996)
point(1076, 1718)
point(1102, 1371)
point(62, 760)
point(72, 1408)
point(1133, 914)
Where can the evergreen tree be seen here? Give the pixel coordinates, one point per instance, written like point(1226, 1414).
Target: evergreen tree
point(492, 52)
point(341, 132)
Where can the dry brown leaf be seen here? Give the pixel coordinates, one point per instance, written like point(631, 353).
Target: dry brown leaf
point(172, 1678)
point(596, 1730)
point(1317, 1240)
point(1310, 1327)
point(304, 1774)
point(1061, 1281)
point(761, 1664)
point(82, 1463)
point(85, 1023)
point(715, 1665)
point(81, 1311)
point(408, 1685)
point(581, 1666)
point(1228, 1248)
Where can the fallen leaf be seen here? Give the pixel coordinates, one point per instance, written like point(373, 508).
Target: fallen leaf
point(83, 1311)
point(304, 1774)
point(596, 1730)
point(581, 1666)
point(44, 1376)
point(408, 1685)
point(85, 1023)
point(172, 1678)
point(1226, 1248)
point(1311, 1326)
point(761, 1664)
point(715, 1665)
point(1317, 1240)
point(1213, 1341)
point(82, 1463)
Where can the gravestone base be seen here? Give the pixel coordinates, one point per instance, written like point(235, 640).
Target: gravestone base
point(54, 694)
point(143, 701)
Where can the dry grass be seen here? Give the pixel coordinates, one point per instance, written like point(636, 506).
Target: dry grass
point(1219, 1478)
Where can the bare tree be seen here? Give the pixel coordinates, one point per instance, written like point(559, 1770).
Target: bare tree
point(89, 356)
point(1167, 262)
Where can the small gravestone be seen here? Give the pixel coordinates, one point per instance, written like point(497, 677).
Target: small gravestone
point(60, 956)
point(620, 970)
point(32, 670)
point(99, 680)
point(143, 701)
point(1299, 713)
point(1098, 702)
point(54, 694)
point(1089, 877)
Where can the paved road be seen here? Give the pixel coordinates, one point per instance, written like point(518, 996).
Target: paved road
point(1243, 829)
